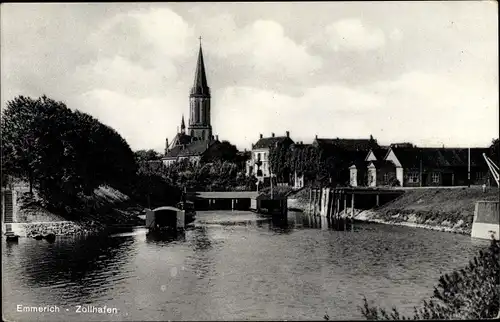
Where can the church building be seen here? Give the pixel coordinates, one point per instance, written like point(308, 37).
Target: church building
point(197, 140)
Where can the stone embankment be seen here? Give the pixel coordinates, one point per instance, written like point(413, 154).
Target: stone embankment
point(58, 228)
point(31, 219)
point(413, 220)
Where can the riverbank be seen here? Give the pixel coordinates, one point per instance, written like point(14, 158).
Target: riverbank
point(443, 209)
point(103, 209)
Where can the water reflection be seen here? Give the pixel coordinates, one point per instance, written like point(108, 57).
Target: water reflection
point(232, 266)
point(165, 237)
point(281, 225)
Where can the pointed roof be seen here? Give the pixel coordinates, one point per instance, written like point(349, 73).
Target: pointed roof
point(200, 85)
point(183, 125)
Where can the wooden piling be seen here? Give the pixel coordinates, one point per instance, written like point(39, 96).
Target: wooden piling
point(310, 199)
point(314, 203)
point(352, 212)
point(332, 204)
point(345, 210)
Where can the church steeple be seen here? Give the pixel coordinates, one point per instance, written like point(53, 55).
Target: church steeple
point(200, 85)
point(199, 103)
point(183, 125)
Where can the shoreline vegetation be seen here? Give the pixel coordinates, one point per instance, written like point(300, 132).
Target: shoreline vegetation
point(470, 293)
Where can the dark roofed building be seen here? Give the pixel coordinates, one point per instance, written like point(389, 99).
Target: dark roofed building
point(346, 144)
point(376, 154)
point(193, 151)
point(266, 143)
point(438, 166)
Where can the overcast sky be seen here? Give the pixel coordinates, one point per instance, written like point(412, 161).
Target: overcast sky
point(424, 72)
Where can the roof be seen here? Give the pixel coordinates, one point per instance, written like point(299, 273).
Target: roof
point(382, 163)
point(356, 157)
point(348, 144)
point(265, 143)
point(226, 194)
point(200, 85)
point(182, 138)
point(196, 148)
point(440, 157)
point(300, 146)
point(166, 208)
point(380, 153)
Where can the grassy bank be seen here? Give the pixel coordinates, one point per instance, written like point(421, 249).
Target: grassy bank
point(105, 207)
point(449, 209)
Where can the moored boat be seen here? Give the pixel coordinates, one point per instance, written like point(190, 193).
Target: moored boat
point(165, 219)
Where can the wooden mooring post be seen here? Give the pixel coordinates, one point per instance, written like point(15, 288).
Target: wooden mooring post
point(331, 209)
point(310, 200)
point(314, 203)
point(352, 211)
point(344, 195)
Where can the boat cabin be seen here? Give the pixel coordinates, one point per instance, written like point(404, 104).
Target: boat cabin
point(165, 218)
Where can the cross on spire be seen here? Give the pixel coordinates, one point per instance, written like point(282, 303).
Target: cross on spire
point(200, 40)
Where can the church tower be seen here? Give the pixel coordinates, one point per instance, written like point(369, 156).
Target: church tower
point(199, 103)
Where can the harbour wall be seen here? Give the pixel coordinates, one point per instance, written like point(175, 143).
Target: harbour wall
point(59, 228)
point(486, 220)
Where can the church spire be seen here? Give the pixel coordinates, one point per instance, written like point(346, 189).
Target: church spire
point(183, 125)
point(200, 85)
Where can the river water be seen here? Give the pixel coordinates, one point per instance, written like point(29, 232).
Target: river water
point(230, 266)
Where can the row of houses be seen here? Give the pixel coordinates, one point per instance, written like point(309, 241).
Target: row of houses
point(400, 164)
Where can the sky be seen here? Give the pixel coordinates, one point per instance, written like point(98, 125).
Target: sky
point(420, 72)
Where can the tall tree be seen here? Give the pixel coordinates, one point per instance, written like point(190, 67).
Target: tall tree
point(60, 152)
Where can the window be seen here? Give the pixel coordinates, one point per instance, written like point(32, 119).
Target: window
point(479, 176)
point(413, 177)
point(258, 156)
point(435, 177)
point(386, 178)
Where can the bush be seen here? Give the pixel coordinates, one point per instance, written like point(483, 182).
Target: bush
point(468, 293)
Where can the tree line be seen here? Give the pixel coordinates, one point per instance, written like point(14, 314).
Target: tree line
point(65, 155)
point(210, 174)
point(321, 165)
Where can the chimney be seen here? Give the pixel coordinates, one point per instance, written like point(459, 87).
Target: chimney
point(287, 134)
point(316, 136)
point(217, 137)
point(261, 135)
point(272, 134)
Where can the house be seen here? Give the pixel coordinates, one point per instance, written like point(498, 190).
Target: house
point(345, 153)
point(258, 165)
point(372, 170)
point(415, 167)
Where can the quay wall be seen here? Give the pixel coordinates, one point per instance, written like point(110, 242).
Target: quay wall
point(59, 228)
point(486, 220)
